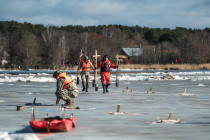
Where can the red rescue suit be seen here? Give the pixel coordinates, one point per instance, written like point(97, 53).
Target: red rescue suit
point(105, 71)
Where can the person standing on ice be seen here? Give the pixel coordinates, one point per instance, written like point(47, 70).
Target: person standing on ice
point(86, 65)
point(105, 66)
point(66, 88)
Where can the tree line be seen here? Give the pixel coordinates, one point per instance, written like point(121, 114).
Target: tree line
point(28, 45)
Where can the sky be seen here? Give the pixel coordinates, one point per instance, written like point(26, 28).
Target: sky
point(145, 13)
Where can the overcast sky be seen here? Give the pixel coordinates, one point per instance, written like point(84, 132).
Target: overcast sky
point(145, 13)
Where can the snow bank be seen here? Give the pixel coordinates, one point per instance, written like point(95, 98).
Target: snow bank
point(6, 136)
point(24, 137)
point(143, 76)
point(26, 79)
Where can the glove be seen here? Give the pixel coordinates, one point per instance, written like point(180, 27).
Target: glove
point(116, 67)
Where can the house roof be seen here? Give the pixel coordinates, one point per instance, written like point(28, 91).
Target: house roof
point(132, 51)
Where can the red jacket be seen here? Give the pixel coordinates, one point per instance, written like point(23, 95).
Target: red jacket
point(105, 65)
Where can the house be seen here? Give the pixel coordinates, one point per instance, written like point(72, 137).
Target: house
point(130, 55)
point(122, 59)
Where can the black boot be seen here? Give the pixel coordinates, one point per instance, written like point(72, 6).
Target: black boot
point(83, 89)
point(107, 88)
point(104, 86)
point(83, 85)
point(87, 86)
point(67, 103)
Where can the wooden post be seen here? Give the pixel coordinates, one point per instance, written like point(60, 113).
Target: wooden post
point(117, 71)
point(118, 111)
point(169, 120)
point(150, 90)
point(34, 101)
point(19, 108)
point(79, 67)
point(185, 90)
point(63, 112)
point(32, 114)
point(170, 116)
point(95, 77)
point(95, 83)
point(118, 108)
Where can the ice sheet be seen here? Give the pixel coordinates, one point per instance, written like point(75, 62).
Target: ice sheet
point(93, 121)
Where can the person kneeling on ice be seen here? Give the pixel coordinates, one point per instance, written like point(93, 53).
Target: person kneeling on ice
point(66, 88)
point(105, 65)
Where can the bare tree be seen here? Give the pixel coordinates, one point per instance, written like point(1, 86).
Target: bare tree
point(28, 49)
point(50, 38)
point(11, 47)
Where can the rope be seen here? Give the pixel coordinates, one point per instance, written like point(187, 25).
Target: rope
point(43, 135)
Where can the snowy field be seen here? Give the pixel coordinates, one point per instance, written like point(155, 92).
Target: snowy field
point(93, 120)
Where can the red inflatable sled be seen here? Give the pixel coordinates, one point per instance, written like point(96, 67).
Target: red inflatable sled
point(53, 124)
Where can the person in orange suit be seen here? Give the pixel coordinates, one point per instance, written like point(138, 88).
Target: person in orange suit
point(86, 65)
point(105, 66)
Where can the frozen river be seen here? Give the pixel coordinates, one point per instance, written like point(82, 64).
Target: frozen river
point(93, 120)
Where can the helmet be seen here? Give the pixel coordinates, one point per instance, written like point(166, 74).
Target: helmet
point(86, 58)
point(104, 58)
point(56, 73)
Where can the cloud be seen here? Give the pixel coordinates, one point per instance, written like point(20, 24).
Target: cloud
point(148, 13)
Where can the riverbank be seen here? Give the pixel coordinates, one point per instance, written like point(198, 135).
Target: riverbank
point(164, 67)
point(167, 66)
point(136, 66)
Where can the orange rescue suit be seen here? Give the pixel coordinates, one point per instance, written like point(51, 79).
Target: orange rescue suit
point(67, 81)
point(105, 71)
point(85, 65)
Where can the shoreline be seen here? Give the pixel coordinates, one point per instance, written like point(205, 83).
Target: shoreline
point(205, 66)
point(122, 69)
point(167, 66)
point(162, 66)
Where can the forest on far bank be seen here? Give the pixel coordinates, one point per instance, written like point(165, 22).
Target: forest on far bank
point(28, 45)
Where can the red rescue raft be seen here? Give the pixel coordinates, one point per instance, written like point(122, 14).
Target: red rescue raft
point(52, 124)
